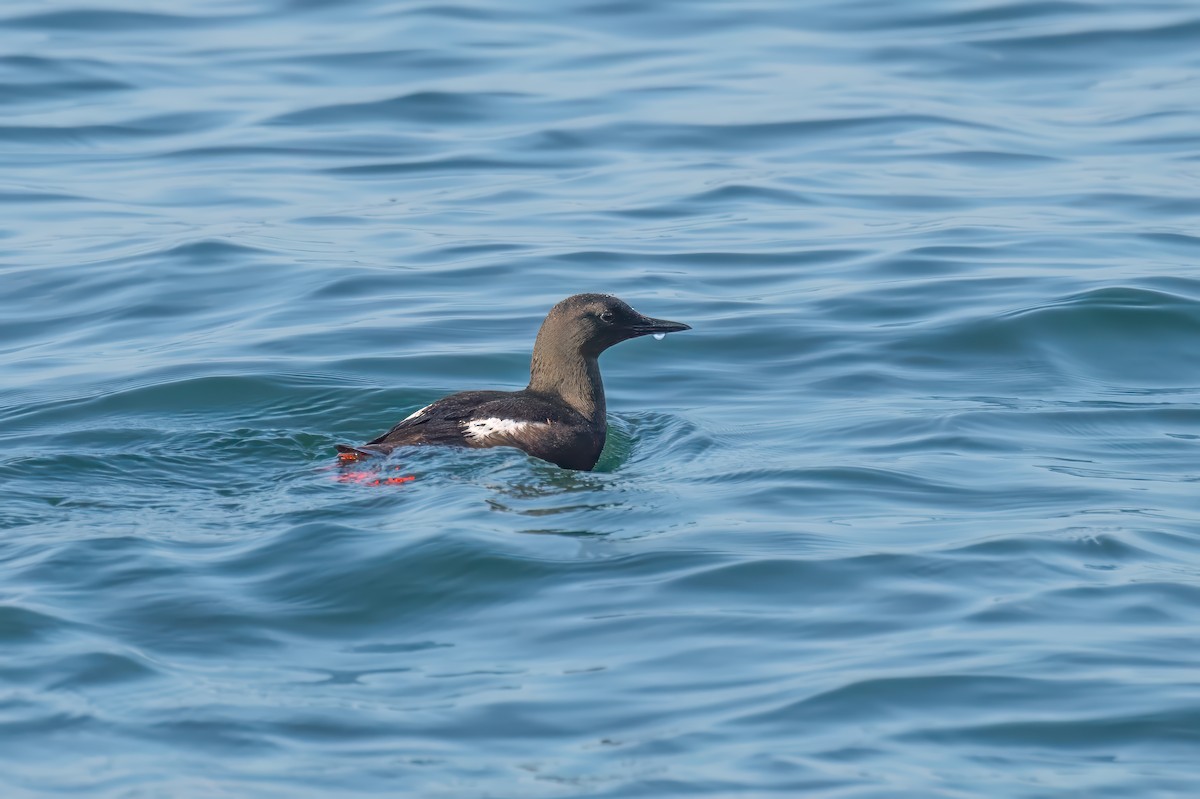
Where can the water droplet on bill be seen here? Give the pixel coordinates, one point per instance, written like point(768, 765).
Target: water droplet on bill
point(659, 336)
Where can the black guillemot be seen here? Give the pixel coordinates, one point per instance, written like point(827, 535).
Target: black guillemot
point(560, 416)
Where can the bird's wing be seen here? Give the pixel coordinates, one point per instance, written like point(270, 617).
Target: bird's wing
point(513, 420)
point(439, 422)
point(544, 429)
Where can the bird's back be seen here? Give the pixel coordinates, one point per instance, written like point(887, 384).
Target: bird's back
point(439, 423)
point(542, 426)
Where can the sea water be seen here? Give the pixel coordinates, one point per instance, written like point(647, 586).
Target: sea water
point(913, 510)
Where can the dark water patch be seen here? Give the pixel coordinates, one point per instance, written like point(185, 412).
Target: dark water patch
point(223, 737)
point(58, 65)
point(16, 197)
point(357, 287)
point(21, 625)
point(652, 435)
point(457, 11)
point(422, 107)
point(57, 90)
point(930, 203)
point(459, 165)
point(322, 221)
point(990, 17)
point(441, 576)
point(1168, 729)
point(1120, 336)
point(878, 701)
point(20, 724)
point(256, 154)
point(1156, 205)
point(130, 131)
point(1175, 240)
point(221, 396)
point(715, 200)
point(715, 258)
point(1139, 603)
point(458, 253)
point(98, 669)
point(1119, 42)
point(109, 20)
point(207, 252)
point(764, 135)
point(1071, 544)
point(348, 66)
point(743, 194)
point(990, 158)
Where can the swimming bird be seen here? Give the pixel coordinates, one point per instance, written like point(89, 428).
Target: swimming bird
point(560, 416)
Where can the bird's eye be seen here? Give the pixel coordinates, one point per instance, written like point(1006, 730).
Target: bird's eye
point(607, 316)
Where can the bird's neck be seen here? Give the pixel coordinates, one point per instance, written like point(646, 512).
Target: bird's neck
point(565, 372)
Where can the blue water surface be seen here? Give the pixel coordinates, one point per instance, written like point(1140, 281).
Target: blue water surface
point(914, 510)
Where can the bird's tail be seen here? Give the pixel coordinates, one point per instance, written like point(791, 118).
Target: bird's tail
point(349, 454)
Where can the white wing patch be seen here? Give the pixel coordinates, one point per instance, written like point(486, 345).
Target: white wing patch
point(416, 413)
point(494, 427)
